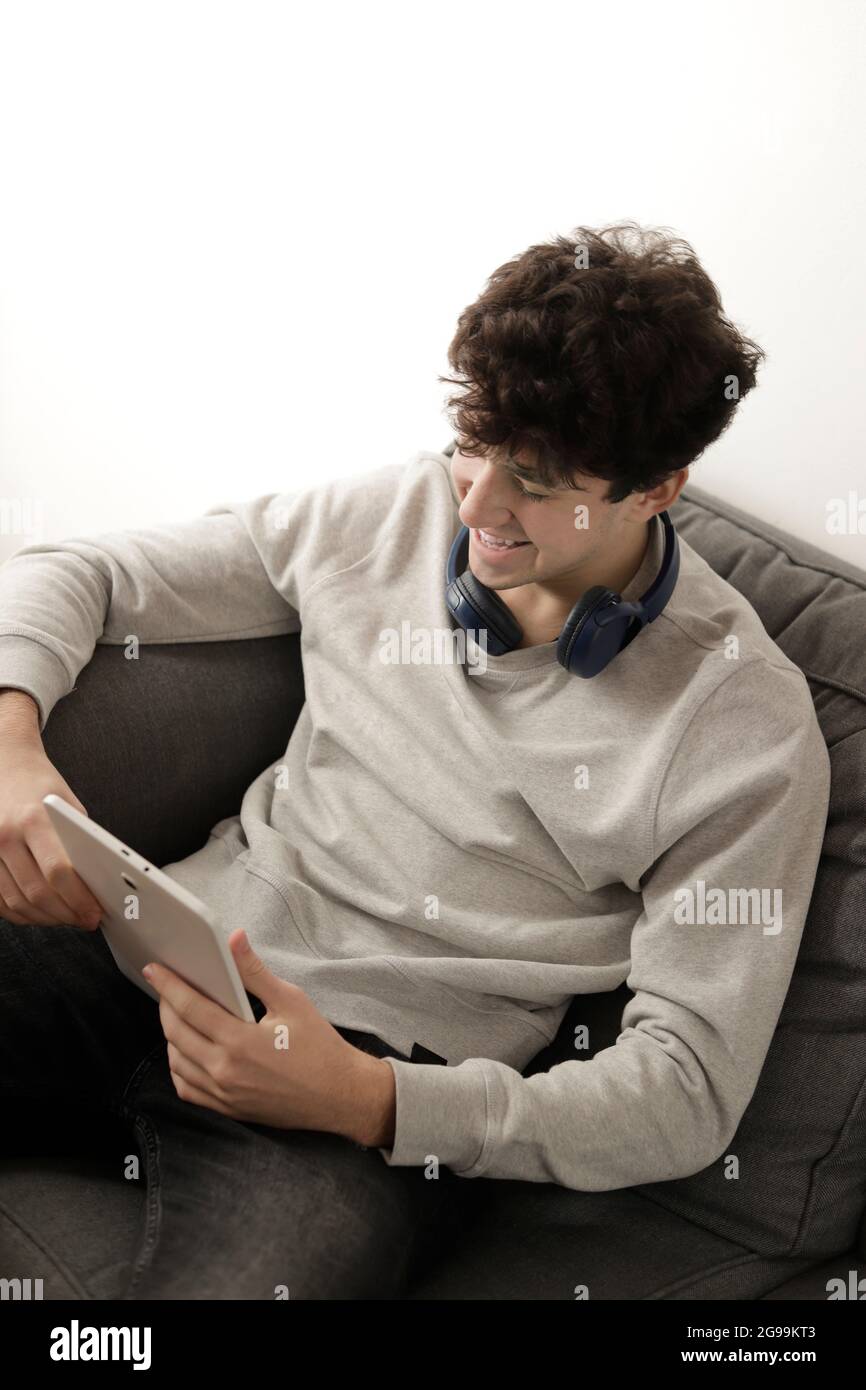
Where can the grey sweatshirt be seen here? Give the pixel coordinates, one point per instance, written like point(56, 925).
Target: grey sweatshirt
point(449, 851)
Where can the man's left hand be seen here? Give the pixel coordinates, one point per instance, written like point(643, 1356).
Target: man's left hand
point(291, 1070)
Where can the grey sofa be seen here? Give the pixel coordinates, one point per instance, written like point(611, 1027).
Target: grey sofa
point(160, 755)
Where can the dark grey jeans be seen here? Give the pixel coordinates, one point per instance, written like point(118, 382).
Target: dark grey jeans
point(233, 1210)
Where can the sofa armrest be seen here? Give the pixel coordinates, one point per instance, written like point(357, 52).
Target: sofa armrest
point(161, 748)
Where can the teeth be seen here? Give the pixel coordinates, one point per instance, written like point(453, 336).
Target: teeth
point(495, 543)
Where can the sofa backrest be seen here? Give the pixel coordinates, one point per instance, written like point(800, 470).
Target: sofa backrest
point(161, 748)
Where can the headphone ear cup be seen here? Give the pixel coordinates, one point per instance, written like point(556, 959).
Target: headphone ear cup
point(491, 611)
point(570, 651)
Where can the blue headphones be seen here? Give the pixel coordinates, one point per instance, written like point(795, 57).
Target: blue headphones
point(598, 627)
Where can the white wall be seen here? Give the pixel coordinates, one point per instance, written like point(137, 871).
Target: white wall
point(235, 237)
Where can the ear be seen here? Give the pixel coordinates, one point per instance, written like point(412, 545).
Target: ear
point(664, 496)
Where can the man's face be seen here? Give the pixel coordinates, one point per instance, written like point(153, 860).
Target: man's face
point(558, 542)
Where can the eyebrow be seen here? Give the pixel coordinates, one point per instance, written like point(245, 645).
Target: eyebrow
point(530, 477)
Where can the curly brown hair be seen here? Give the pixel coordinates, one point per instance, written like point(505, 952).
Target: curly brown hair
point(622, 367)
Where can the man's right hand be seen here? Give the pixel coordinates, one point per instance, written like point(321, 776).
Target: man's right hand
point(38, 885)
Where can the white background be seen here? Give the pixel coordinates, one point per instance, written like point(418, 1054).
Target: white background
point(235, 237)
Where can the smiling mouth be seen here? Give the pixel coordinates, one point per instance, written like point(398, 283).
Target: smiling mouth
point(492, 542)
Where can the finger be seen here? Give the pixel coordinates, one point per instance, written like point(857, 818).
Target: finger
point(200, 1050)
point(10, 915)
point(40, 896)
point(15, 906)
point(196, 1096)
point(195, 1009)
point(58, 872)
point(191, 1072)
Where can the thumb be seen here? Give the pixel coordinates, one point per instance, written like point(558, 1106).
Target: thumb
point(256, 976)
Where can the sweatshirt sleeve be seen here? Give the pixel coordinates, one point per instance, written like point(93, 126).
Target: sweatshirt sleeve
point(741, 805)
point(241, 569)
point(216, 577)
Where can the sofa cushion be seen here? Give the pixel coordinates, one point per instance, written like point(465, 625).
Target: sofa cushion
point(540, 1241)
point(161, 748)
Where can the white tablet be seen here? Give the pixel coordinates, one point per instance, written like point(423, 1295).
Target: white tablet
point(147, 916)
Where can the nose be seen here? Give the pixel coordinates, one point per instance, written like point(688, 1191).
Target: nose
point(484, 503)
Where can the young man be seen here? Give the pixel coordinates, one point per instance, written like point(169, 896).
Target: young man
point(451, 849)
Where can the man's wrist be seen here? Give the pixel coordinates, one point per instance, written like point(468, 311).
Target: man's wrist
point(374, 1103)
point(19, 715)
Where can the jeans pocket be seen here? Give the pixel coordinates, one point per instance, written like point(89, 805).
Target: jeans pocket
point(134, 1081)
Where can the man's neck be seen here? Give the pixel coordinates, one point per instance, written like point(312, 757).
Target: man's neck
point(542, 609)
